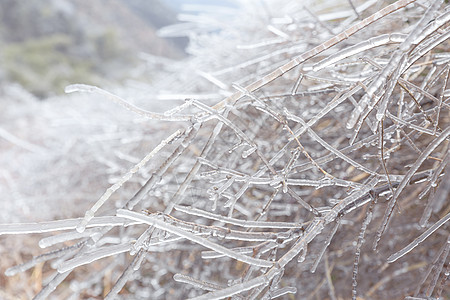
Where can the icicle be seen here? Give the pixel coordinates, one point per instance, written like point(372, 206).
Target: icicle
point(301, 258)
point(359, 244)
point(283, 291)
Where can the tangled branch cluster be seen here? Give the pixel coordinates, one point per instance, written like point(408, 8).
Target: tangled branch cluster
point(322, 175)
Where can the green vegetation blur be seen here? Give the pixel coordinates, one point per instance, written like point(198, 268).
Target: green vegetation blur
point(45, 46)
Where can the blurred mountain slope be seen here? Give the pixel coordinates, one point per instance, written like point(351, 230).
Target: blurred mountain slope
point(47, 45)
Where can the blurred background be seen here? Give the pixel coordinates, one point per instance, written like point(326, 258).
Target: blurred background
point(48, 45)
point(53, 146)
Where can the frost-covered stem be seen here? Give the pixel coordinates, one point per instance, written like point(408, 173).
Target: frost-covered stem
point(325, 245)
point(430, 148)
point(196, 239)
point(201, 284)
point(393, 63)
point(41, 227)
point(432, 183)
point(189, 136)
point(125, 276)
point(438, 269)
point(194, 170)
point(147, 114)
point(377, 41)
point(42, 258)
point(93, 256)
point(327, 146)
point(90, 213)
point(316, 50)
point(419, 239)
point(238, 222)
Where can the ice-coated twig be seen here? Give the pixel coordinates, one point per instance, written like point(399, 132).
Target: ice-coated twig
point(233, 290)
point(66, 236)
point(438, 269)
point(125, 276)
point(196, 167)
point(441, 98)
point(237, 222)
point(201, 284)
point(261, 248)
point(383, 39)
point(313, 52)
point(338, 99)
point(382, 160)
point(51, 286)
point(283, 291)
point(56, 280)
point(225, 233)
point(22, 228)
point(201, 241)
point(348, 203)
point(90, 213)
point(432, 183)
point(93, 256)
point(20, 142)
point(147, 114)
point(383, 104)
point(430, 148)
point(297, 84)
point(410, 125)
point(325, 246)
point(188, 137)
point(326, 145)
point(419, 239)
point(42, 258)
point(393, 64)
point(331, 290)
point(422, 51)
point(444, 279)
point(432, 266)
point(302, 202)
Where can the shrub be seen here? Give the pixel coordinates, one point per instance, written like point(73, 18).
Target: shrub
point(276, 189)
